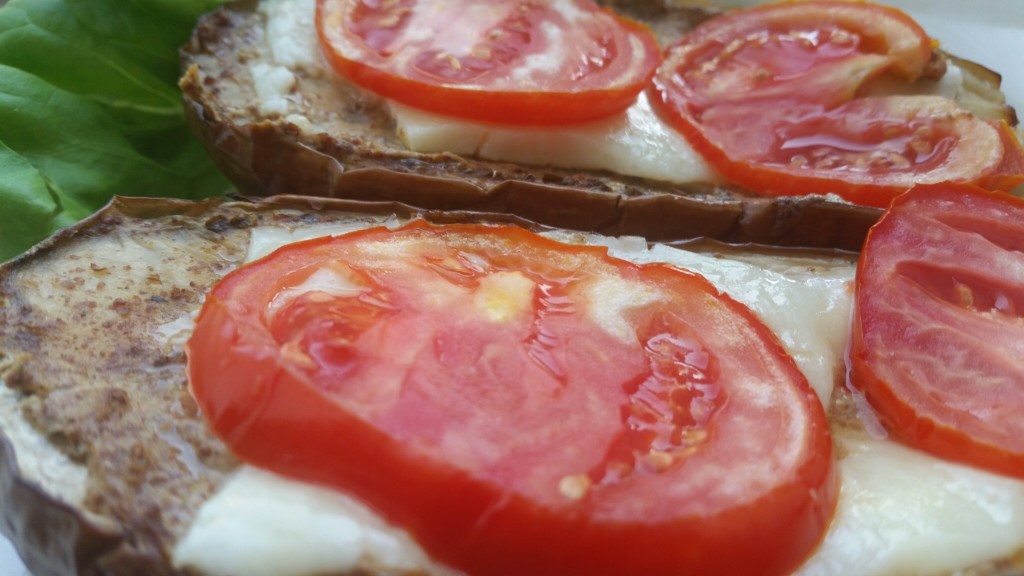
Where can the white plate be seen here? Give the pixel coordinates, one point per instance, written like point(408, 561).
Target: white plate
point(986, 31)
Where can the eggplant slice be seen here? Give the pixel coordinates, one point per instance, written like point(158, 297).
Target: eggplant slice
point(340, 141)
point(104, 458)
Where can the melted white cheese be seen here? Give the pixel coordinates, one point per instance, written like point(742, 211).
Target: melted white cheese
point(900, 511)
point(38, 460)
point(904, 512)
point(633, 143)
point(273, 86)
point(261, 524)
point(290, 26)
point(951, 85)
point(263, 241)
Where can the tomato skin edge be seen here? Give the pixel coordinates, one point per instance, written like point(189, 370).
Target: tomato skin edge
point(679, 104)
point(911, 72)
point(761, 180)
point(898, 417)
point(516, 108)
point(1009, 173)
point(923, 433)
point(542, 109)
point(1001, 177)
point(286, 399)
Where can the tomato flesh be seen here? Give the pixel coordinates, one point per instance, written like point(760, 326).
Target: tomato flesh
point(522, 63)
point(938, 333)
point(519, 405)
point(770, 96)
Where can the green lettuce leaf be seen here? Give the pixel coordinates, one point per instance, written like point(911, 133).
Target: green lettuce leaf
point(40, 203)
point(90, 108)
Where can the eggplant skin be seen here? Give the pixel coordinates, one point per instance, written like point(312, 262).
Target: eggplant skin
point(353, 152)
point(52, 538)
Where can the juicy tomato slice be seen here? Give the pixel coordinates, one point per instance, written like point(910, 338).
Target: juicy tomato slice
point(938, 341)
point(520, 405)
point(770, 97)
point(520, 62)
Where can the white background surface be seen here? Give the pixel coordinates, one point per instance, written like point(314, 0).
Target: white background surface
point(10, 564)
point(990, 32)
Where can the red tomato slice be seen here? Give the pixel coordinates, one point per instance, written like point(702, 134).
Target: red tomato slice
point(769, 97)
point(521, 406)
point(938, 341)
point(527, 63)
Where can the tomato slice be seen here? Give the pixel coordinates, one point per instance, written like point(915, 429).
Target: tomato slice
point(769, 96)
point(938, 341)
point(521, 406)
point(521, 62)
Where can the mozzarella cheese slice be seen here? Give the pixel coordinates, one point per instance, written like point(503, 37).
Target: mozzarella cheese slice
point(634, 143)
point(262, 524)
point(903, 512)
point(899, 512)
